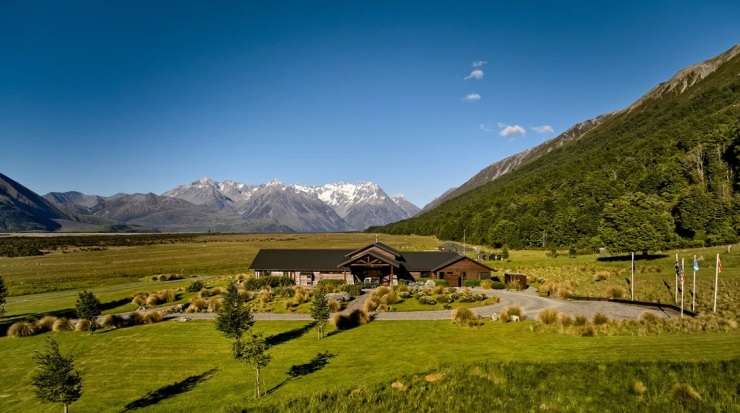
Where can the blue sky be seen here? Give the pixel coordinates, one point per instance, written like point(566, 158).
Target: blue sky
point(130, 97)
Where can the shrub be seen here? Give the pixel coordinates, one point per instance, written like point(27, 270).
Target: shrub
point(45, 323)
point(245, 294)
point(195, 286)
point(404, 294)
point(443, 299)
point(83, 325)
point(600, 319)
point(389, 298)
point(62, 324)
point(21, 329)
point(498, 285)
point(264, 296)
point(354, 290)
point(443, 283)
point(685, 394)
point(330, 285)
point(355, 319)
point(438, 290)
point(548, 316)
point(615, 292)
point(253, 283)
point(465, 317)
point(486, 284)
point(425, 299)
point(471, 283)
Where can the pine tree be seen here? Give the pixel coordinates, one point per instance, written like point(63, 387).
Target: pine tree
point(56, 379)
point(320, 310)
point(235, 318)
point(253, 352)
point(88, 308)
point(3, 295)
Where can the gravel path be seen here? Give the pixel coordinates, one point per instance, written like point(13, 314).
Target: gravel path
point(529, 301)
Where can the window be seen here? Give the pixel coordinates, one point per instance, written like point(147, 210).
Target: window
point(441, 274)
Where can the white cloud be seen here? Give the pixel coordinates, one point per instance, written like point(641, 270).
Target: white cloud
point(476, 74)
point(543, 129)
point(479, 63)
point(472, 97)
point(510, 130)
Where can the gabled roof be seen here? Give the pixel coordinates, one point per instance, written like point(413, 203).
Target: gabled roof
point(372, 254)
point(456, 259)
point(426, 260)
point(381, 245)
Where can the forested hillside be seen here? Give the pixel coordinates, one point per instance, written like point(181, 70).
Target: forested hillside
point(670, 160)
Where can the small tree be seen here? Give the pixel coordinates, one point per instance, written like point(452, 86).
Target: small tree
point(3, 295)
point(235, 318)
point(320, 310)
point(56, 379)
point(505, 252)
point(253, 352)
point(88, 308)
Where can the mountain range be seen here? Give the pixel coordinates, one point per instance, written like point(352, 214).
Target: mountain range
point(678, 143)
point(206, 205)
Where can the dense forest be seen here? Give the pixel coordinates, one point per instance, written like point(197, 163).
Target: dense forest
point(663, 173)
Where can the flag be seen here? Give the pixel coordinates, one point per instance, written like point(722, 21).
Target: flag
point(719, 264)
point(696, 264)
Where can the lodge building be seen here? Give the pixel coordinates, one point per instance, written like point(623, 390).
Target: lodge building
point(374, 263)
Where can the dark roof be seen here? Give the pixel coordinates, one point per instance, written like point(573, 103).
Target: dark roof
point(381, 245)
point(298, 259)
point(334, 259)
point(426, 260)
point(456, 259)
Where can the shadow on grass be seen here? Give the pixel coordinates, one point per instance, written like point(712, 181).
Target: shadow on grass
point(169, 390)
point(638, 257)
point(297, 371)
point(285, 336)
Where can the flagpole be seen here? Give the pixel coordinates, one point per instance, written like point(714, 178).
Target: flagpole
point(716, 281)
point(693, 286)
point(675, 283)
point(682, 277)
point(632, 280)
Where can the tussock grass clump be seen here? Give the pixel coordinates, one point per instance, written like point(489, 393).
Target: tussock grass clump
point(136, 318)
point(510, 311)
point(354, 319)
point(389, 298)
point(588, 330)
point(580, 321)
point(615, 292)
point(548, 316)
point(685, 394)
point(334, 305)
point(152, 301)
point(215, 304)
point(600, 319)
point(153, 317)
point(197, 305)
point(638, 388)
point(21, 329)
point(465, 317)
point(561, 289)
point(486, 284)
point(648, 316)
point(62, 324)
point(111, 321)
point(45, 323)
point(139, 299)
point(564, 320)
point(83, 325)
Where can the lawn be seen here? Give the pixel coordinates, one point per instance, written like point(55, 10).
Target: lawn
point(120, 367)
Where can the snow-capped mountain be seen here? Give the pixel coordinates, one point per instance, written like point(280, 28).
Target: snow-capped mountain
point(301, 207)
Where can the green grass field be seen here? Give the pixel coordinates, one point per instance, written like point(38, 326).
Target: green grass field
point(122, 366)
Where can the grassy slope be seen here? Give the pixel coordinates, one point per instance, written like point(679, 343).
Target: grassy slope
point(206, 255)
point(122, 366)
